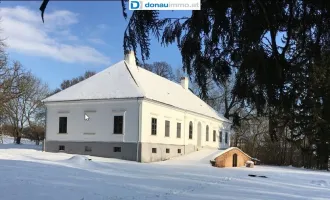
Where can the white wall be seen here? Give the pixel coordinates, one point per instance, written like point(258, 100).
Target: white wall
point(100, 125)
point(163, 112)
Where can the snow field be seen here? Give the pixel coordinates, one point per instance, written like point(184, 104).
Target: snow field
point(30, 174)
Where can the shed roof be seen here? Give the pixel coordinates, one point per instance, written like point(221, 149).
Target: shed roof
point(221, 152)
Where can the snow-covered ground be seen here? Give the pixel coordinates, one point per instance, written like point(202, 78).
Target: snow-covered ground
point(10, 140)
point(28, 174)
point(25, 143)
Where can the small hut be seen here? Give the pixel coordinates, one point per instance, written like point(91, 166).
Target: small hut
point(231, 157)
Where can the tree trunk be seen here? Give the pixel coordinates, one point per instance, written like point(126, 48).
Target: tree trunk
point(285, 150)
point(303, 155)
point(37, 142)
point(18, 140)
point(236, 140)
point(291, 150)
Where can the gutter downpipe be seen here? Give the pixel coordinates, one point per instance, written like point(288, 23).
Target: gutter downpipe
point(46, 121)
point(184, 133)
point(138, 152)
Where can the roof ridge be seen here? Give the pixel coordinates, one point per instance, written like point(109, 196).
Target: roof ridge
point(140, 87)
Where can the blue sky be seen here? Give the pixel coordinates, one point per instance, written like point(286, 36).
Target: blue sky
point(77, 36)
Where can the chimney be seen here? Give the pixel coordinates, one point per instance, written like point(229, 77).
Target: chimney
point(185, 83)
point(130, 58)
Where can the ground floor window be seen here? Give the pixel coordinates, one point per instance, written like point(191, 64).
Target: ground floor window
point(61, 148)
point(167, 128)
point(88, 149)
point(117, 149)
point(179, 150)
point(214, 136)
point(118, 123)
point(207, 133)
point(178, 130)
point(167, 150)
point(63, 125)
point(153, 126)
point(154, 150)
point(220, 136)
point(190, 130)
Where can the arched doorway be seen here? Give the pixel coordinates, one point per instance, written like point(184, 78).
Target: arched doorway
point(235, 160)
point(199, 134)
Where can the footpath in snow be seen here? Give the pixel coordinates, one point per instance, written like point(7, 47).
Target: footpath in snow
point(29, 174)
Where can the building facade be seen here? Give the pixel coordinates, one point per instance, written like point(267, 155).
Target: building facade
point(130, 118)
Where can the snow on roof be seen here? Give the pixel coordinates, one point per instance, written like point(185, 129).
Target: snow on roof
point(130, 81)
point(113, 82)
point(163, 90)
point(220, 152)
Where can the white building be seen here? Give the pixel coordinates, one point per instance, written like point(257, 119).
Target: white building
point(130, 113)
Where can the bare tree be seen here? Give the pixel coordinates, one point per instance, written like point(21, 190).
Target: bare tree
point(250, 133)
point(22, 111)
point(162, 69)
point(9, 75)
point(179, 73)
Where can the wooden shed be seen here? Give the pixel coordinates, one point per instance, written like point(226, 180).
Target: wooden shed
point(231, 157)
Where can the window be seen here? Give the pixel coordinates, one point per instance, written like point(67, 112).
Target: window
point(207, 133)
point(167, 128)
point(179, 150)
point(178, 130)
point(226, 138)
point(88, 149)
point(61, 148)
point(117, 149)
point(118, 124)
point(190, 130)
point(214, 136)
point(153, 126)
point(63, 124)
point(220, 136)
point(167, 150)
point(154, 150)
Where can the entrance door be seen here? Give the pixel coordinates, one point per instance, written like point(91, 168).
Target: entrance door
point(199, 134)
point(235, 160)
